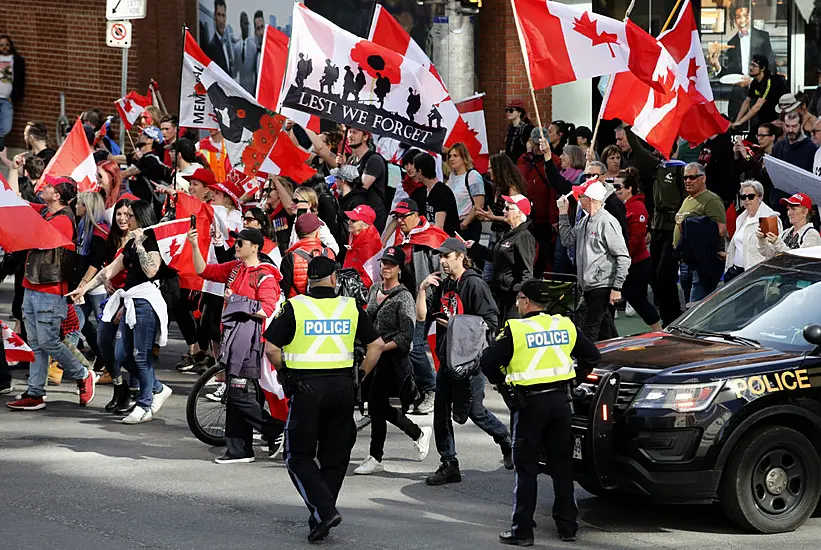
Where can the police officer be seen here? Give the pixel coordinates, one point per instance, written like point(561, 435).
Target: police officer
point(533, 357)
point(311, 344)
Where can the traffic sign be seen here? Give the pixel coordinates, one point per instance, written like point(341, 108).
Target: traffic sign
point(118, 34)
point(125, 9)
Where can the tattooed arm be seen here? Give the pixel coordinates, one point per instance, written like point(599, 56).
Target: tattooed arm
point(103, 275)
point(149, 261)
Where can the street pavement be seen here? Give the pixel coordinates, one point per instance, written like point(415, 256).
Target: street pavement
point(75, 478)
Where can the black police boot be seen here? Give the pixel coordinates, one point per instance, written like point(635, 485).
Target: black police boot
point(448, 472)
point(509, 538)
point(120, 393)
point(321, 530)
point(507, 453)
point(128, 400)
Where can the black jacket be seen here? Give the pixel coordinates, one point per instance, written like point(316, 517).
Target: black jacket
point(469, 295)
point(512, 256)
point(18, 86)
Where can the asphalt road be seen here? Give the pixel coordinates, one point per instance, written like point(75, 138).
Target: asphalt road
point(75, 477)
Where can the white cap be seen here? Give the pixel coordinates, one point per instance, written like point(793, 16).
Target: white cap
point(595, 191)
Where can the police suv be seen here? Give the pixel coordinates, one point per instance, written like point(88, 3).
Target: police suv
point(724, 405)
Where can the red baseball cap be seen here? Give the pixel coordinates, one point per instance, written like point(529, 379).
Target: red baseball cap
point(521, 202)
point(799, 199)
point(592, 188)
point(205, 176)
point(362, 213)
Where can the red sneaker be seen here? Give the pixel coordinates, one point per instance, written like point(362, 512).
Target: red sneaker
point(86, 387)
point(27, 403)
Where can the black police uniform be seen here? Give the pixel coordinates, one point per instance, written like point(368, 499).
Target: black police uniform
point(320, 424)
point(544, 421)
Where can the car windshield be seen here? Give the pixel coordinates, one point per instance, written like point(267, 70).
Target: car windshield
point(770, 303)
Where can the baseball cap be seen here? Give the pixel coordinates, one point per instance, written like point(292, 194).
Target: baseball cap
point(452, 245)
point(537, 290)
point(406, 206)
point(521, 202)
point(787, 103)
point(592, 189)
point(799, 199)
point(205, 176)
point(321, 267)
point(153, 133)
point(394, 255)
point(307, 223)
point(362, 213)
point(251, 235)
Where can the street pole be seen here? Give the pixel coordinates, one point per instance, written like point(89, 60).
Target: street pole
point(123, 91)
point(452, 51)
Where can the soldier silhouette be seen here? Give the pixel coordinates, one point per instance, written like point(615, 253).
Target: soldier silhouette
point(414, 104)
point(360, 83)
point(329, 77)
point(382, 89)
point(349, 84)
point(434, 115)
point(304, 67)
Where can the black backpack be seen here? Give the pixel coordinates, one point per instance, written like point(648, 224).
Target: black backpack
point(489, 191)
point(349, 284)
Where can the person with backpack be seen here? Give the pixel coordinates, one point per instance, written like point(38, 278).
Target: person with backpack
point(373, 170)
point(145, 312)
point(458, 290)
point(294, 266)
point(252, 294)
point(668, 196)
point(47, 276)
point(391, 309)
point(468, 188)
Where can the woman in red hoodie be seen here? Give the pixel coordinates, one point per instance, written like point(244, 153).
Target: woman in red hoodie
point(365, 244)
point(641, 268)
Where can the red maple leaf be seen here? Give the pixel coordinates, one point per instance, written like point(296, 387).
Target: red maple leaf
point(174, 248)
point(127, 106)
point(586, 27)
point(661, 99)
point(692, 70)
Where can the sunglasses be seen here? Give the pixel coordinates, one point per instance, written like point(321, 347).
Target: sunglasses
point(588, 176)
point(759, 136)
point(617, 186)
point(510, 208)
point(692, 177)
point(403, 216)
point(249, 219)
point(239, 243)
point(747, 197)
point(509, 110)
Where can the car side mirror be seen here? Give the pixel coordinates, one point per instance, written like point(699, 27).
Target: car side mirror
point(812, 334)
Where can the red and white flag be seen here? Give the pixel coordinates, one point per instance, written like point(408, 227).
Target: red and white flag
point(75, 159)
point(684, 106)
point(388, 32)
point(248, 129)
point(562, 43)
point(131, 107)
point(16, 348)
point(172, 237)
point(336, 75)
point(196, 110)
point(472, 110)
point(188, 206)
point(269, 382)
point(288, 159)
point(23, 228)
point(364, 251)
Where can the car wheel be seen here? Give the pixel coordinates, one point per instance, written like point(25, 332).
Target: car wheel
point(592, 486)
point(772, 481)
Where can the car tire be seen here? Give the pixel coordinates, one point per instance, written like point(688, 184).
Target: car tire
point(772, 482)
point(592, 486)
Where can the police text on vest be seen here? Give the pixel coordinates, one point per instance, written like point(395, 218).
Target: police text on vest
point(328, 327)
point(548, 338)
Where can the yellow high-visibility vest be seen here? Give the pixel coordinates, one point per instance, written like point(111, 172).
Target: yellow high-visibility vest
point(541, 350)
point(325, 333)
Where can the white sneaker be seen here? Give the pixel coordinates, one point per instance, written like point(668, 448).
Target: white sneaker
point(216, 395)
point(369, 466)
point(138, 416)
point(426, 406)
point(423, 443)
point(7, 389)
point(160, 399)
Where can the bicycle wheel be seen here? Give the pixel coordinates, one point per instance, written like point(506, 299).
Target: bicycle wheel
point(205, 410)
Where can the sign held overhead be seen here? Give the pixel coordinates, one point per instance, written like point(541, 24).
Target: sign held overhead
point(116, 10)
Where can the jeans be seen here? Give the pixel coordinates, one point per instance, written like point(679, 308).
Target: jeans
point(6, 118)
point(88, 313)
point(694, 285)
point(133, 350)
point(443, 406)
point(423, 373)
point(43, 314)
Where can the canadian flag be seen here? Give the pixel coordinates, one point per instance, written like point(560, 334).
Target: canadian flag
point(472, 110)
point(269, 382)
point(188, 206)
point(171, 239)
point(23, 228)
point(564, 43)
point(364, 251)
point(16, 348)
point(131, 107)
point(74, 158)
point(388, 32)
point(288, 159)
point(684, 106)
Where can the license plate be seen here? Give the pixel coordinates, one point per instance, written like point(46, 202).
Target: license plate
point(577, 447)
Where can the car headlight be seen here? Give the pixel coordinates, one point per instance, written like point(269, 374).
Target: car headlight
point(677, 397)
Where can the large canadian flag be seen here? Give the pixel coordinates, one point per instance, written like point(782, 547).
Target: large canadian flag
point(188, 206)
point(171, 239)
point(132, 106)
point(684, 107)
point(472, 110)
point(334, 74)
point(269, 382)
point(16, 348)
point(388, 32)
point(74, 158)
point(23, 228)
point(564, 43)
